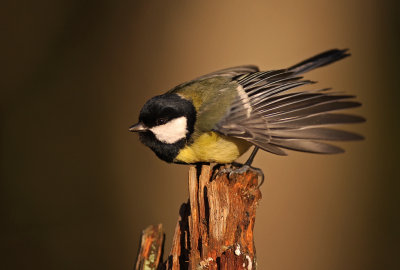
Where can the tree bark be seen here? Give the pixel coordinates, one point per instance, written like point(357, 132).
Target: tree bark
point(215, 227)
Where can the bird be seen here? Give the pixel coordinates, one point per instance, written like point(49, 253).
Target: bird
point(217, 117)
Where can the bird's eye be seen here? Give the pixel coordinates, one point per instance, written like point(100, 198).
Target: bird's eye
point(161, 121)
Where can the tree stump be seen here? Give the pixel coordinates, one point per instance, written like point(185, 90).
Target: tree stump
point(215, 227)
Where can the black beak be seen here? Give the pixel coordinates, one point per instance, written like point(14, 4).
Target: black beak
point(139, 127)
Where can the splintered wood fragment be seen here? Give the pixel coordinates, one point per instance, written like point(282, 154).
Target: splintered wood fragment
point(204, 178)
point(173, 259)
point(194, 216)
point(151, 248)
point(180, 250)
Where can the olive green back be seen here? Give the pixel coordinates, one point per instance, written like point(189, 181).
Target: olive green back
point(212, 99)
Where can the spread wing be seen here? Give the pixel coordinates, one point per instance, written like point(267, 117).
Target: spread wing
point(264, 114)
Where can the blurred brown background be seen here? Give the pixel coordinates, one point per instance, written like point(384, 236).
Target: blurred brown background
point(77, 188)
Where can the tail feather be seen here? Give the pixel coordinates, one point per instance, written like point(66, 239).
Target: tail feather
point(319, 60)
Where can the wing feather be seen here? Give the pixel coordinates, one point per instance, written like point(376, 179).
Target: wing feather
point(230, 72)
point(307, 146)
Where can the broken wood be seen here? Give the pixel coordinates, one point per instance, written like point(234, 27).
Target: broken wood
point(151, 248)
point(215, 227)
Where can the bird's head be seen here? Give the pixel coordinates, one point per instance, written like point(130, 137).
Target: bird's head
point(166, 122)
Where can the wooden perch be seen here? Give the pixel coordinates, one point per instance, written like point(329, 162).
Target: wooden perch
point(215, 228)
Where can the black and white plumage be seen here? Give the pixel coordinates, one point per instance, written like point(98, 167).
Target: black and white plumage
point(223, 113)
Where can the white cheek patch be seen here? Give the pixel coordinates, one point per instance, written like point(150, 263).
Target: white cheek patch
point(172, 131)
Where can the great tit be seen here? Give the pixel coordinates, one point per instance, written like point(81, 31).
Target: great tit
point(219, 116)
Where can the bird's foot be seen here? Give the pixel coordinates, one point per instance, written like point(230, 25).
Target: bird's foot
point(242, 168)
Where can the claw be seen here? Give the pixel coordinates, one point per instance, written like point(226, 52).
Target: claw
point(240, 170)
point(244, 168)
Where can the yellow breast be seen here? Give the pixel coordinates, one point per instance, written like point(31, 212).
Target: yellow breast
point(213, 147)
